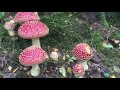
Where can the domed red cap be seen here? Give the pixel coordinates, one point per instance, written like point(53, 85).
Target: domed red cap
point(26, 16)
point(32, 55)
point(78, 70)
point(33, 29)
point(82, 51)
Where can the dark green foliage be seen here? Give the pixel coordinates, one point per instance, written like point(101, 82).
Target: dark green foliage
point(103, 20)
point(2, 14)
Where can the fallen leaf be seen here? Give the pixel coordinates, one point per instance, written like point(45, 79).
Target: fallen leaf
point(64, 57)
point(10, 68)
point(73, 58)
point(68, 56)
point(15, 70)
point(70, 60)
point(28, 73)
point(62, 71)
point(25, 68)
point(116, 69)
point(69, 70)
point(112, 76)
point(5, 51)
point(107, 45)
point(106, 75)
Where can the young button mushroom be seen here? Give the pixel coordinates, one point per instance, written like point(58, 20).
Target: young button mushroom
point(33, 30)
point(54, 54)
point(32, 56)
point(78, 70)
point(83, 52)
point(10, 27)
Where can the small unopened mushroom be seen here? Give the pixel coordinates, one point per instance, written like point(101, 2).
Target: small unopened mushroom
point(78, 70)
point(10, 27)
point(33, 30)
point(83, 53)
point(32, 56)
point(54, 55)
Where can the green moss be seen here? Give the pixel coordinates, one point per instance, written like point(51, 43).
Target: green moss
point(102, 17)
point(116, 34)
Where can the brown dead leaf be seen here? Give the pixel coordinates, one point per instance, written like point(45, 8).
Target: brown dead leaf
point(25, 68)
point(28, 73)
point(15, 70)
point(64, 57)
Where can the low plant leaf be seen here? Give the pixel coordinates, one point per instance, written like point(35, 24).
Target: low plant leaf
point(69, 70)
point(62, 71)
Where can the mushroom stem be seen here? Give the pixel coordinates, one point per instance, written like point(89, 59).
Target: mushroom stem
point(35, 71)
point(11, 33)
point(84, 64)
point(36, 42)
point(78, 76)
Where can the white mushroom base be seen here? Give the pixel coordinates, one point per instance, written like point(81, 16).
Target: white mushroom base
point(11, 33)
point(78, 76)
point(84, 64)
point(35, 71)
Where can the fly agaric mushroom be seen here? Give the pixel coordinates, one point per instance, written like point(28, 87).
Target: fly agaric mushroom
point(83, 53)
point(21, 17)
point(33, 30)
point(10, 27)
point(78, 70)
point(32, 56)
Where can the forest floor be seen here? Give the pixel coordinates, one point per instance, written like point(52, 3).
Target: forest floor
point(66, 30)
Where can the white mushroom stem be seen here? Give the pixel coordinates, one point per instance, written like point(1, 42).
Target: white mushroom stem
point(35, 71)
point(78, 76)
point(84, 64)
point(36, 42)
point(11, 33)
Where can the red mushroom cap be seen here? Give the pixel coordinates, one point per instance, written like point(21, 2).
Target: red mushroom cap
point(32, 55)
point(83, 52)
point(78, 70)
point(25, 16)
point(33, 29)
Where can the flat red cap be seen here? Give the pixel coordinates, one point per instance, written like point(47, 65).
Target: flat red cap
point(32, 55)
point(33, 29)
point(82, 52)
point(25, 16)
point(78, 70)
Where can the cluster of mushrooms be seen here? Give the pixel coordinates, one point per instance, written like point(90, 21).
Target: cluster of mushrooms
point(32, 28)
point(83, 53)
